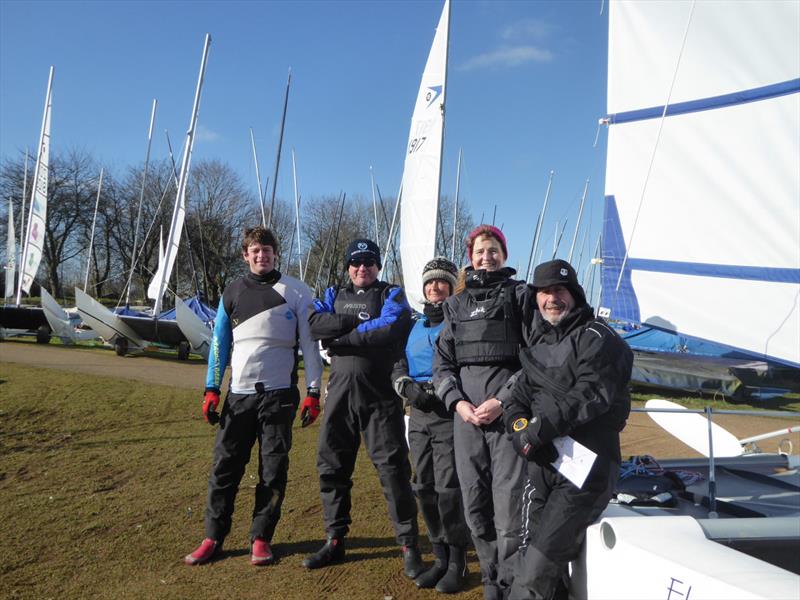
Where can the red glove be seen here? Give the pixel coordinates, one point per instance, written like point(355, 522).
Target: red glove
point(210, 404)
point(309, 409)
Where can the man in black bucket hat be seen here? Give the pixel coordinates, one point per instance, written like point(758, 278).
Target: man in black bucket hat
point(573, 382)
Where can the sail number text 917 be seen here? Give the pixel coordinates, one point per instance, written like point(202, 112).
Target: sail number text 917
point(416, 144)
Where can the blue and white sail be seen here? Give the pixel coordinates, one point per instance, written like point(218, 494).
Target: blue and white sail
point(419, 198)
point(702, 220)
point(37, 214)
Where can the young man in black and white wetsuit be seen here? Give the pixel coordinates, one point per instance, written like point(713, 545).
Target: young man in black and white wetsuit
point(363, 325)
point(486, 325)
point(430, 435)
point(261, 320)
point(574, 382)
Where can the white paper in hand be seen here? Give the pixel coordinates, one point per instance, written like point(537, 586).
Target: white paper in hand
point(574, 460)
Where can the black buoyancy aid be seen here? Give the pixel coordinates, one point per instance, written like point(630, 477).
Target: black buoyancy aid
point(364, 303)
point(487, 325)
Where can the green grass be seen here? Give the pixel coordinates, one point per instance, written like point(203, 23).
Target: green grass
point(103, 483)
point(102, 489)
point(789, 402)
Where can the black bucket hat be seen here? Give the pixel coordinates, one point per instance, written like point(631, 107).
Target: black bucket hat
point(559, 272)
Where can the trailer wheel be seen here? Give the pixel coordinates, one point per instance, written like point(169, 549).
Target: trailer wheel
point(121, 346)
point(43, 335)
point(183, 351)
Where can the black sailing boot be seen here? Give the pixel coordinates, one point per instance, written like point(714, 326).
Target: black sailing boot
point(331, 552)
point(456, 576)
point(412, 561)
point(430, 577)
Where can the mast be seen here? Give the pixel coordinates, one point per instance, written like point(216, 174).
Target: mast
point(578, 224)
point(37, 214)
point(11, 253)
point(280, 144)
point(22, 229)
point(91, 236)
point(297, 220)
point(258, 179)
point(159, 283)
point(455, 208)
point(559, 235)
point(535, 243)
point(141, 200)
point(374, 205)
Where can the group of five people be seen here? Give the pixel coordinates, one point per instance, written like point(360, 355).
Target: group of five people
point(494, 370)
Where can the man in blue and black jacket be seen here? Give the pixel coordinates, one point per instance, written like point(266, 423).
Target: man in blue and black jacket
point(363, 325)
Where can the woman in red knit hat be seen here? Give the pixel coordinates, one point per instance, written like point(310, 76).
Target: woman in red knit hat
point(487, 322)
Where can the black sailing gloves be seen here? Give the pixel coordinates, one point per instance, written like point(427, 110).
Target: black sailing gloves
point(526, 442)
point(420, 395)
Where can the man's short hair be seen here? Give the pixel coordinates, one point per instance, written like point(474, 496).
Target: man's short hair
point(260, 235)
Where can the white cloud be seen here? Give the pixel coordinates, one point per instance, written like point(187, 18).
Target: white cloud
point(513, 56)
point(527, 29)
point(205, 134)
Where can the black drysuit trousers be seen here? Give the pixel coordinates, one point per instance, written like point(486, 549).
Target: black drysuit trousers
point(266, 417)
point(359, 402)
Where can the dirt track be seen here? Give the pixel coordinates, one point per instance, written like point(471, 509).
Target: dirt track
point(641, 436)
point(96, 361)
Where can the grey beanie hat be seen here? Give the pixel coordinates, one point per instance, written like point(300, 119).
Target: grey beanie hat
point(439, 268)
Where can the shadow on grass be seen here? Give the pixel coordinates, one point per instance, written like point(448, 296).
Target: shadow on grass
point(303, 548)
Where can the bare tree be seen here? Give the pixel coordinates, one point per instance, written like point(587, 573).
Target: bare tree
point(219, 209)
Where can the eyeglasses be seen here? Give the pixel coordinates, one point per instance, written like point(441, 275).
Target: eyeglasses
point(367, 262)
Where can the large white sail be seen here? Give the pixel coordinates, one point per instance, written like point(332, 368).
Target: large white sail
point(11, 253)
point(702, 209)
point(421, 174)
point(158, 285)
point(37, 215)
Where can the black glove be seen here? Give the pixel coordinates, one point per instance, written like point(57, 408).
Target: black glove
point(524, 437)
point(420, 395)
point(544, 455)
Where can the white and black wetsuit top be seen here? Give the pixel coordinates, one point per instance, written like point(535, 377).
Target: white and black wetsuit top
point(260, 322)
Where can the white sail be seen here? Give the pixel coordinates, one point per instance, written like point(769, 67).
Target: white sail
point(421, 174)
point(37, 215)
point(703, 208)
point(158, 285)
point(11, 253)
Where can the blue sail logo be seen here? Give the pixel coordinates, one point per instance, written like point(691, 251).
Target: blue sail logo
point(433, 93)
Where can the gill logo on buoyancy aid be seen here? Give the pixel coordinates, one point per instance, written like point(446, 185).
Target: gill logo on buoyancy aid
point(488, 330)
point(477, 311)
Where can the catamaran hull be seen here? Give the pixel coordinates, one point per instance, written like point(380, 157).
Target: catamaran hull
point(642, 558)
point(192, 327)
point(106, 324)
point(63, 324)
point(24, 320)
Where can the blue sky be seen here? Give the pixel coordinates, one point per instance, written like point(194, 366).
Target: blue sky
point(526, 85)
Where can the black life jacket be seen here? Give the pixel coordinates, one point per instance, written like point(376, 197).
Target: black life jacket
point(363, 303)
point(488, 327)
